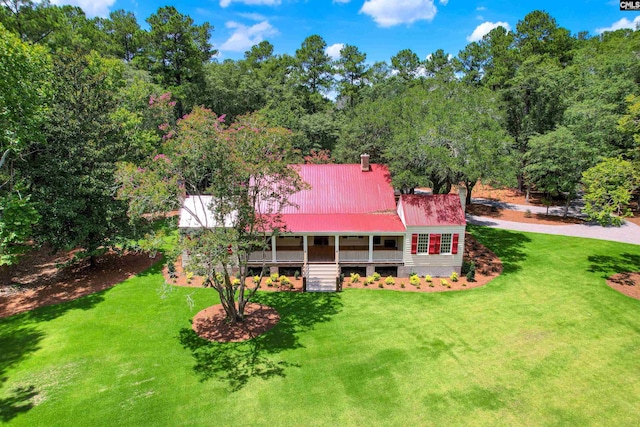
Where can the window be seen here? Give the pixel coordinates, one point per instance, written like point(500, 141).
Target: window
point(434, 244)
point(376, 240)
point(423, 243)
point(445, 244)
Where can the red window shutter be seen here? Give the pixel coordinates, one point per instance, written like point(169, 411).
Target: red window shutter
point(454, 244)
point(414, 243)
point(434, 244)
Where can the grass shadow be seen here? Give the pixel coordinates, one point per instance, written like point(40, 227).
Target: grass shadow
point(17, 342)
point(609, 265)
point(20, 337)
point(508, 245)
point(237, 363)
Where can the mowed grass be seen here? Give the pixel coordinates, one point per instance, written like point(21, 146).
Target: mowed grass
point(547, 343)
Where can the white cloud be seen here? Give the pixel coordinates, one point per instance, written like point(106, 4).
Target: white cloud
point(481, 8)
point(485, 28)
point(444, 2)
point(334, 50)
point(225, 3)
point(244, 37)
point(90, 7)
point(623, 23)
point(341, 1)
point(387, 13)
point(253, 16)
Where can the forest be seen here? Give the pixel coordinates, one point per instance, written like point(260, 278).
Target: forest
point(82, 101)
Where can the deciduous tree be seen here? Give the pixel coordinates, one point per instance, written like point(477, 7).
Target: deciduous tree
point(245, 169)
point(608, 188)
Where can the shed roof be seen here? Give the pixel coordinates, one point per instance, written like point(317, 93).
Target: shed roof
point(421, 210)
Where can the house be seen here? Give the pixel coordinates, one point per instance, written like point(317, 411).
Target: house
point(350, 220)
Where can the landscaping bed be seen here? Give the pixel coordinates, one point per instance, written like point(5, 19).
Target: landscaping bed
point(626, 283)
point(44, 277)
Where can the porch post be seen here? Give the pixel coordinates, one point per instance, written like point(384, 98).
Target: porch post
point(371, 248)
point(305, 250)
point(273, 249)
point(337, 257)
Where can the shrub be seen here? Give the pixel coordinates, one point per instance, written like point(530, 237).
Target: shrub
point(445, 283)
point(189, 276)
point(418, 287)
point(380, 285)
point(296, 275)
point(467, 266)
point(431, 285)
point(269, 282)
point(235, 282)
point(369, 280)
point(355, 278)
point(414, 280)
point(464, 284)
point(471, 274)
point(171, 268)
point(274, 277)
point(284, 280)
point(402, 285)
point(219, 277)
point(454, 277)
point(527, 213)
point(376, 276)
point(389, 281)
point(256, 280)
point(428, 278)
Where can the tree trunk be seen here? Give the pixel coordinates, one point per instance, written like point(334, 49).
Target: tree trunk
point(520, 182)
point(526, 199)
point(470, 185)
point(566, 207)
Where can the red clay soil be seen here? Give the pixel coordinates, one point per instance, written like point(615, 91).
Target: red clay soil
point(518, 216)
point(626, 283)
point(37, 281)
point(211, 324)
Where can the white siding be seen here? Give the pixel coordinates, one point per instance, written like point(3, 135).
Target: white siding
point(401, 213)
point(434, 260)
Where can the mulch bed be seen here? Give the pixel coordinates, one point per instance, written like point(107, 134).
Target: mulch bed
point(37, 281)
point(211, 323)
point(518, 216)
point(626, 283)
point(512, 195)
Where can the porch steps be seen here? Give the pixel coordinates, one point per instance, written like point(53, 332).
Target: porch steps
point(322, 277)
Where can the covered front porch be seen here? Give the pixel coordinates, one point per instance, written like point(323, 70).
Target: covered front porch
point(332, 248)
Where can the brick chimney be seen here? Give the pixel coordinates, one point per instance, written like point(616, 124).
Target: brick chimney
point(364, 163)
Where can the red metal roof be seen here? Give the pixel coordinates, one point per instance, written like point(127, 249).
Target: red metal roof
point(354, 223)
point(432, 210)
point(343, 189)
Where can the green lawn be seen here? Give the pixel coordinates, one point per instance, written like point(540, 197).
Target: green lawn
point(547, 343)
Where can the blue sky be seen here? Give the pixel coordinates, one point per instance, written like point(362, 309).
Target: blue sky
point(379, 28)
